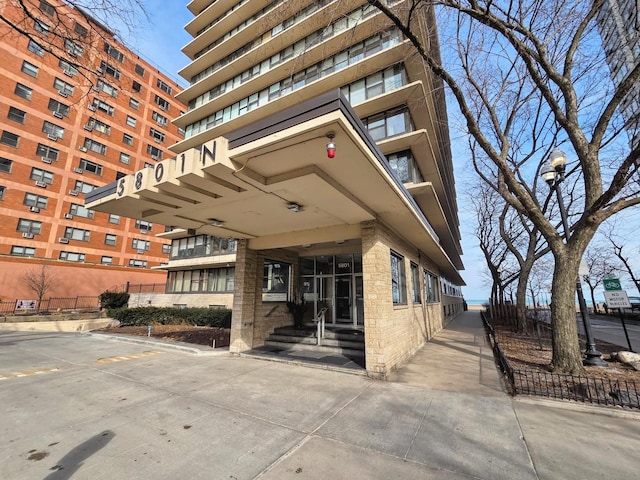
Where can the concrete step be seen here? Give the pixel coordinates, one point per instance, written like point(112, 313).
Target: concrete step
point(314, 348)
point(353, 336)
point(332, 342)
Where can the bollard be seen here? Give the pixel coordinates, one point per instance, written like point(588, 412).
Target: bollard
point(148, 330)
point(213, 343)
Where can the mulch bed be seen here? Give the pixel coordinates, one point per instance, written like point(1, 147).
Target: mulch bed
point(180, 333)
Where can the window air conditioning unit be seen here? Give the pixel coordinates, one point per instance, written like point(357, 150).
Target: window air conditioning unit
point(95, 88)
point(68, 73)
point(155, 157)
point(162, 107)
point(160, 123)
point(88, 127)
point(62, 93)
point(140, 252)
point(34, 209)
point(58, 114)
point(53, 138)
point(83, 149)
point(74, 193)
point(68, 216)
point(99, 70)
point(72, 53)
point(41, 184)
point(63, 240)
point(46, 160)
point(92, 108)
point(78, 169)
point(27, 235)
point(157, 140)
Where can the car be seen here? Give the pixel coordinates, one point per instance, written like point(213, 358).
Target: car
point(635, 303)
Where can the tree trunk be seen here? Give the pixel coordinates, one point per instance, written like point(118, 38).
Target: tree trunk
point(567, 357)
point(521, 303)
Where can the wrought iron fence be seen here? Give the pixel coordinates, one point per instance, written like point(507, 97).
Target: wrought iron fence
point(581, 388)
point(50, 305)
point(145, 288)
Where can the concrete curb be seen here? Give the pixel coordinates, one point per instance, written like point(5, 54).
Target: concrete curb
point(67, 326)
point(178, 346)
point(609, 411)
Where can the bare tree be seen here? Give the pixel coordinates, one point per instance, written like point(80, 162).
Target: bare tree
point(619, 249)
point(600, 264)
point(528, 76)
point(40, 281)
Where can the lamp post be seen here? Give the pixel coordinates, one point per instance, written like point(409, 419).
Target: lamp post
point(553, 173)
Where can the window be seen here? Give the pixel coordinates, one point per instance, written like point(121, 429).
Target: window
point(77, 234)
point(113, 52)
point(95, 146)
point(106, 88)
point(40, 175)
point(102, 106)
point(127, 139)
point(72, 48)
point(157, 135)
point(388, 124)
point(131, 121)
point(45, 151)
point(110, 239)
point(35, 48)
point(398, 279)
point(83, 187)
point(105, 260)
point(404, 167)
point(19, 251)
point(125, 158)
point(136, 86)
point(29, 226)
point(160, 119)
point(415, 283)
point(16, 115)
point(144, 226)
point(46, 8)
point(138, 244)
point(72, 256)
point(98, 126)
point(110, 70)
point(5, 165)
point(23, 91)
point(115, 219)
point(133, 103)
point(275, 281)
point(155, 152)
point(30, 69)
point(206, 280)
point(68, 69)
point(80, 211)
point(431, 292)
point(9, 138)
point(166, 248)
point(63, 87)
point(33, 200)
point(148, 165)
point(139, 70)
point(52, 129)
point(161, 102)
point(90, 167)
point(58, 107)
point(2, 190)
point(138, 263)
point(80, 30)
point(164, 87)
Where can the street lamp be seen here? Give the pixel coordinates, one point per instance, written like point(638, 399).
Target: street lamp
point(552, 172)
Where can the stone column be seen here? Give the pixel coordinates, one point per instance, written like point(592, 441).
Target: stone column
point(244, 298)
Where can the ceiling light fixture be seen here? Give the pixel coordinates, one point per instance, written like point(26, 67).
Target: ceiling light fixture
point(215, 223)
point(294, 207)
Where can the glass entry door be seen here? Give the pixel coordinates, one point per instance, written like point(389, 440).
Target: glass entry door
point(325, 297)
point(344, 304)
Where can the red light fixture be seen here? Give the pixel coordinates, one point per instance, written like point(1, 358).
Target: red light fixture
point(331, 147)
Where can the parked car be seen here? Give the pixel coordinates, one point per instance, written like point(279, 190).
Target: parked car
point(635, 303)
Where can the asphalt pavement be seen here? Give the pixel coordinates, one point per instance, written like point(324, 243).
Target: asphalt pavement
point(86, 407)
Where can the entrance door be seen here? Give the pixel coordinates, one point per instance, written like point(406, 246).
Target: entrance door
point(344, 304)
point(324, 290)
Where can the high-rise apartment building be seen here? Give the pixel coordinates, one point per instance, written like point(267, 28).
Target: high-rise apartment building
point(317, 140)
point(619, 25)
point(78, 110)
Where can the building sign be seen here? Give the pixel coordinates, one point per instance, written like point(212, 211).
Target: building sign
point(26, 304)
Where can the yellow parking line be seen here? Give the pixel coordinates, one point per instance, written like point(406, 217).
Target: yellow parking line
point(27, 373)
point(121, 358)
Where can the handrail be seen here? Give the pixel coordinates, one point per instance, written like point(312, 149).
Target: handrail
point(320, 322)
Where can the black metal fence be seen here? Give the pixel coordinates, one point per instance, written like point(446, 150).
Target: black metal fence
point(18, 307)
point(581, 388)
point(145, 288)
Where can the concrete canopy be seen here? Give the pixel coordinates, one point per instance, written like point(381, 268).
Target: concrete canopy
point(272, 183)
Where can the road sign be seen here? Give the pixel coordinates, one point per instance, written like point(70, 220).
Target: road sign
point(612, 284)
point(617, 299)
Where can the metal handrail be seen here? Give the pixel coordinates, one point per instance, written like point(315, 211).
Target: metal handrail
point(320, 322)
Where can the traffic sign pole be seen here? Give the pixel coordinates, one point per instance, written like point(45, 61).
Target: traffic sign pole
point(624, 327)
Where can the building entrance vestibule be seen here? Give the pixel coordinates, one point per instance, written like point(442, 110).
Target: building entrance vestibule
point(334, 282)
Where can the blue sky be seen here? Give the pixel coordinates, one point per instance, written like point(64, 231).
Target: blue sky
point(160, 40)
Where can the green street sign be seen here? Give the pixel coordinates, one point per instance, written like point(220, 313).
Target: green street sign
point(612, 284)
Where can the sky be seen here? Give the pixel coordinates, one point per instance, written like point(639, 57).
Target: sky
point(161, 38)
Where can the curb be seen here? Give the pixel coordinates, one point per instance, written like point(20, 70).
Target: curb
point(193, 349)
point(609, 411)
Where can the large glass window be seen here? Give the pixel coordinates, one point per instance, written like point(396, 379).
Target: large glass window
point(404, 166)
point(415, 283)
point(275, 281)
point(388, 124)
point(201, 246)
point(398, 279)
point(431, 292)
point(206, 280)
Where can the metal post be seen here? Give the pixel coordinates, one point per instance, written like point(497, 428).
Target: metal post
point(592, 356)
point(624, 326)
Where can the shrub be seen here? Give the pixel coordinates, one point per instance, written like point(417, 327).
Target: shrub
point(113, 299)
point(208, 317)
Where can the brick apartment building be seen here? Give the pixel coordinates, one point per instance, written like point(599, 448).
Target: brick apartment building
point(317, 140)
point(78, 110)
